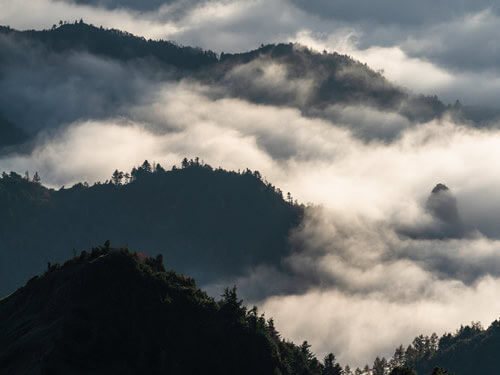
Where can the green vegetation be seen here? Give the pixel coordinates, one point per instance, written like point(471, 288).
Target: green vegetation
point(471, 350)
point(111, 311)
point(209, 223)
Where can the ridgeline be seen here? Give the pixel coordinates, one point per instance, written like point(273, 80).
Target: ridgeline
point(111, 311)
point(209, 223)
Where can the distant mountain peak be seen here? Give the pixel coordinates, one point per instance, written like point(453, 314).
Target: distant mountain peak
point(439, 188)
point(443, 205)
point(446, 222)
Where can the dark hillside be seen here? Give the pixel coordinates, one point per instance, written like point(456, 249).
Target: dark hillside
point(363, 84)
point(471, 350)
point(336, 79)
point(209, 223)
point(114, 44)
point(331, 78)
point(113, 312)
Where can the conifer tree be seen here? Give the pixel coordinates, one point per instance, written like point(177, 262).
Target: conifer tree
point(36, 178)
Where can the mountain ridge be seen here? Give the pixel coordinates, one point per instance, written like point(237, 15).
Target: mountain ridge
point(207, 222)
point(114, 43)
point(299, 77)
point(113, 311)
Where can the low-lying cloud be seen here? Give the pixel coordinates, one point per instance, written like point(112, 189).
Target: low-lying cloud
point(356, 284)
point(60, 88)
point(359, 327)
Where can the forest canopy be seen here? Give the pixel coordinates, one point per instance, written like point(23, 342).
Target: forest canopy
point(210, 223)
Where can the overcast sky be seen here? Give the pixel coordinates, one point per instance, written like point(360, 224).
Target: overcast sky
point(379, 259)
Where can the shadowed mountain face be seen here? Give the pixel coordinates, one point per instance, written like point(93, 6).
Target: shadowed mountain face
point(113, 312)
point(471, 350)
point(443, 205)
point(122, 70)
point(209, 223)
point(321, 80)
point(112, 43)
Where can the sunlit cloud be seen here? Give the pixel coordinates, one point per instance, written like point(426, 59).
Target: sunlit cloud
point(357, 274)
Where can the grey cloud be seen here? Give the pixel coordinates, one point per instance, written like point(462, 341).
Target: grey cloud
point(369, 123)
point(237, 26)
point(464, 44)
point(385, 12)
point(456, 42)
point(357, 329)
point(461, 42)
point(145, 5)
point(393, 11)
point(61, 88)
point(469, 260)
point(266, 81)
point(482, 208)
point(351, 277)
point(176, 8)
point(363, 258)
point(263, 281)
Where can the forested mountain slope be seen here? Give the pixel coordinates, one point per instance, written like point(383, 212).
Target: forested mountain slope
point(278, 74)
point(112, 43)
point(207, 222)
point(320, 80)
point(471, 350)
point(114, 312)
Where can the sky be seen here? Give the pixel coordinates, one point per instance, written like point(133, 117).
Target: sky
point(380, 257)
